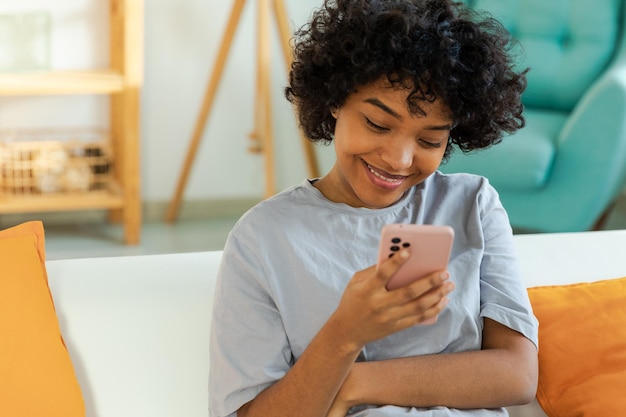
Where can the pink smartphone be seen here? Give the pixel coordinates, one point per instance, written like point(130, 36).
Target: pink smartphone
point(430, 250)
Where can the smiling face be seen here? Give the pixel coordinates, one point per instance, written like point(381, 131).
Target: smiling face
point(382, 149)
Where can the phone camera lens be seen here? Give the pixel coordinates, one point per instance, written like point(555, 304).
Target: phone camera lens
point(394, 248)
point(406, 244)
point(396, 240)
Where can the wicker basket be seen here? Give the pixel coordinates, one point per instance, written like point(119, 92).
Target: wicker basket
point(54, 161)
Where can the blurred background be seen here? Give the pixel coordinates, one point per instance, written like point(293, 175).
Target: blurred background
point(181, 42)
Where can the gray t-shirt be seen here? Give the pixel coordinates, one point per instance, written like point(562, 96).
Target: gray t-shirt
point(288, 260)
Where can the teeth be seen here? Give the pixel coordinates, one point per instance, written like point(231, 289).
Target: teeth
point(382, 177)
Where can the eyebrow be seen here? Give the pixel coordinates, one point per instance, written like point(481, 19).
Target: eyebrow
point(376, 102)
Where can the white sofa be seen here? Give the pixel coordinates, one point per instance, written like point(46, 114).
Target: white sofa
point(137, 327)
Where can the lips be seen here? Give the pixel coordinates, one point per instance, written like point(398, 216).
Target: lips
point(384, 179)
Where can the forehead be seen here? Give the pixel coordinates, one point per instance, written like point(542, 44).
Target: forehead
point(396, 96)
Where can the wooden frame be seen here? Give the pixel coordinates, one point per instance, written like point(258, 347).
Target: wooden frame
point(262, 134)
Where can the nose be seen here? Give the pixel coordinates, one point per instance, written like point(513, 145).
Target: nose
point(399, 155)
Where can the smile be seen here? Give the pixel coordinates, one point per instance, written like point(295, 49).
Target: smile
point(387, 179)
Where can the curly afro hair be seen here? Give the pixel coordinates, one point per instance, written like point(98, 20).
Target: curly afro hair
point(437, 48)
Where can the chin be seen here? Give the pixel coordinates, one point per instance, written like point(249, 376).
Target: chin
point(373, 197)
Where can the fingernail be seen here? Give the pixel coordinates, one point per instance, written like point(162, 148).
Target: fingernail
point(404, 254)
point(444, 275)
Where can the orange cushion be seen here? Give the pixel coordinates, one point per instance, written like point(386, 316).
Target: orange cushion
point(582, 348)
point(37, 376)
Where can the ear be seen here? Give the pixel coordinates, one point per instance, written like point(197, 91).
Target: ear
point(334, 111)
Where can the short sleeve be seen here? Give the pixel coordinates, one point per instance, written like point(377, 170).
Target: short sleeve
point(249, 350)
point(503, 295)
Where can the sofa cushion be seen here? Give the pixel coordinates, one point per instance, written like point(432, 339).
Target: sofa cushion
point(582, 348)
point(566, 44)
point(525, 156)
point(37, 374)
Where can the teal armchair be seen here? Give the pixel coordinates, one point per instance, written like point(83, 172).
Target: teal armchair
point(565, 168)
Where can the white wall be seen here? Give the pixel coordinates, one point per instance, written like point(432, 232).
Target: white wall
point(79, 40)
point(182, 38)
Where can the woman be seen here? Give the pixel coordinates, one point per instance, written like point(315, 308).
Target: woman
point(303, 324)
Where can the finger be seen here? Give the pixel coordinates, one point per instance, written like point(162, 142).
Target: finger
point(426, 283)
point(429, 304)
point(385, 270)
point(421, 317)
point(421, 286)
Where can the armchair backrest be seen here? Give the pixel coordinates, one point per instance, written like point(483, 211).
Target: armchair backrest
point(566, 44)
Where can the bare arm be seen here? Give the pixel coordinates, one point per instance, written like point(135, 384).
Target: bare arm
point(503, 373)
point(367, 312)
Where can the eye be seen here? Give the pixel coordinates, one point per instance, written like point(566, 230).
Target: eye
point(375, 126)
point(430, 144)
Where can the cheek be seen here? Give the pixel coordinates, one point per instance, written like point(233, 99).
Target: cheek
point(348, 141)
point(430, 161)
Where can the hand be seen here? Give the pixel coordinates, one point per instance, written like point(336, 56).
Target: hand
point(368, 311)
point(338, 409)
point(344, 400)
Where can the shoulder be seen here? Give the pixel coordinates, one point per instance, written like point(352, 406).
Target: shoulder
point(462, 200)
point(278, 207)
point(257, 233)
point(286, 212)
point(458, 178)
point(460, 185)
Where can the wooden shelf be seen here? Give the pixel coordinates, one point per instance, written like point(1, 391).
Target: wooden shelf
point(121, 80)
point(61, 82)
point(61, 202)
